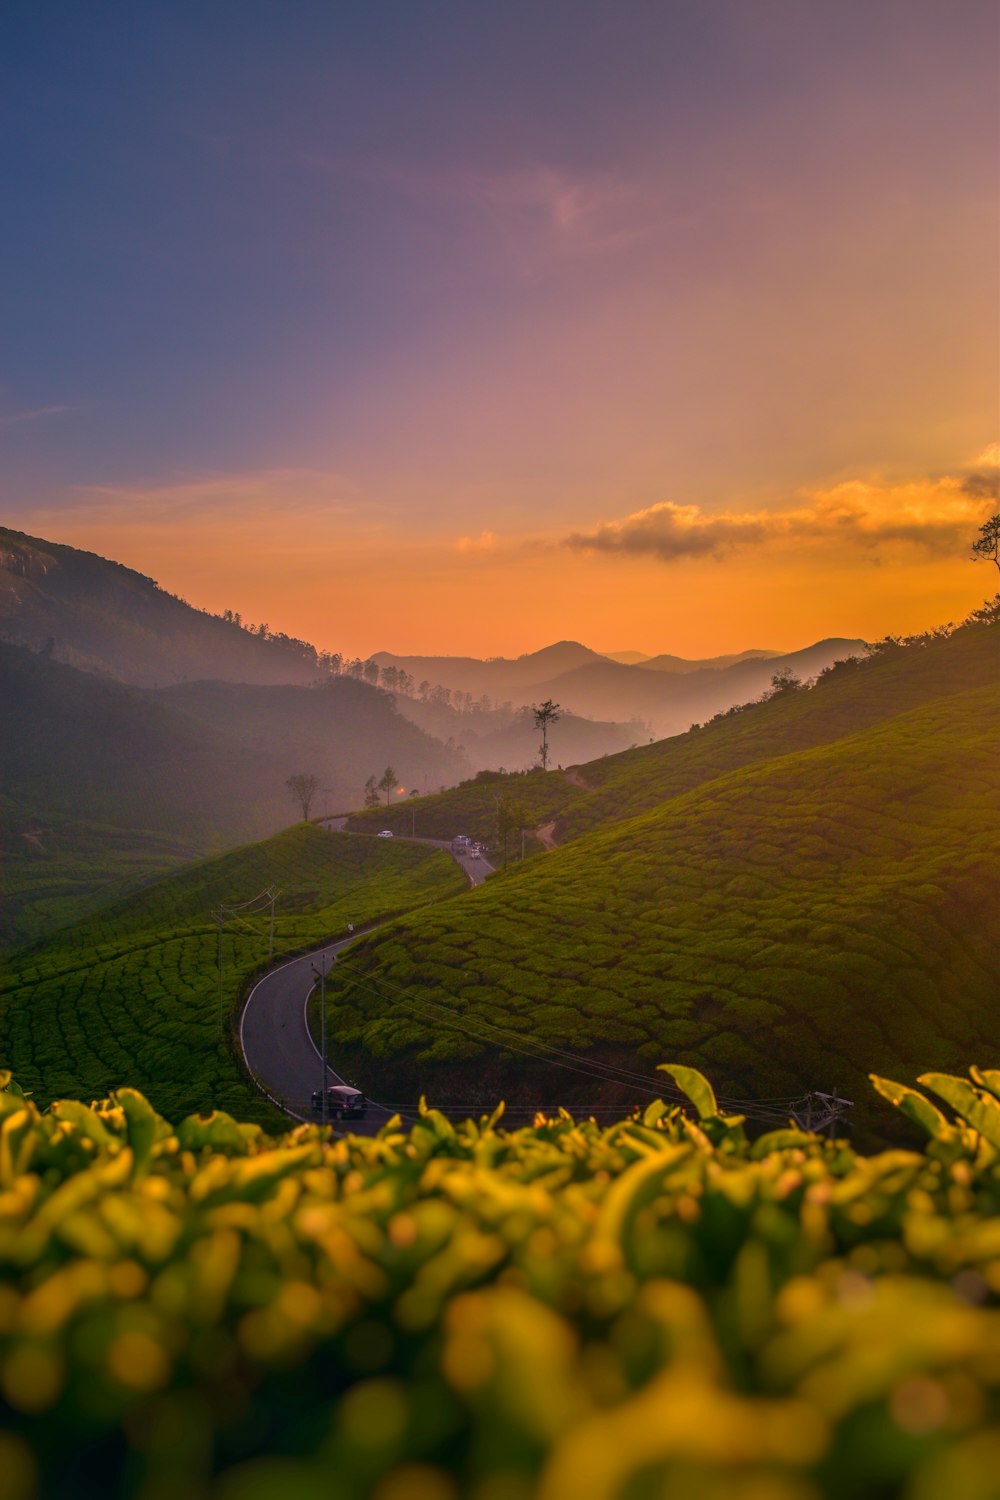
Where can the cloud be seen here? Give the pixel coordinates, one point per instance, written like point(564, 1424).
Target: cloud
point(934, 516)
point(485, 542)
point(542, 204)
point(238, 496)
point(536, 213)
point(982, 486)
point(989, 458)
point(32, 414)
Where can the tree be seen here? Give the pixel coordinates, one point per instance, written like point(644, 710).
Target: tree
point(302, 789)
point(545, 714)
point(784, 682)
point(987, 543)
point(372, 798)
point(388, 783)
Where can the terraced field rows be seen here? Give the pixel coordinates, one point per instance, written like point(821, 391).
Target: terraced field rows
point(786, 927)
point(134, 993)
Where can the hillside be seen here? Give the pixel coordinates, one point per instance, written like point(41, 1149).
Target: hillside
point(853, 695)
point(471, 807)
point(133, 994)
point(102, 617)
point(785, 926)
point(849, 696)
point(202, 765)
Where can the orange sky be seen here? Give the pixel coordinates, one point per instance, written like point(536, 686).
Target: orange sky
point(667, 328)
point(862, 558)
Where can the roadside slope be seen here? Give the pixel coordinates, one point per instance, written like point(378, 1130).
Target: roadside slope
point(133, 995)
point(789, 925)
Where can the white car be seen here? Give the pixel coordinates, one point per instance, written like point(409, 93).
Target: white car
point(386, 833)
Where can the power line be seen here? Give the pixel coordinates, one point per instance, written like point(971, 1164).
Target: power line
point(767, 1111)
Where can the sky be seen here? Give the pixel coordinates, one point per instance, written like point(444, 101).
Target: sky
point(461, 329)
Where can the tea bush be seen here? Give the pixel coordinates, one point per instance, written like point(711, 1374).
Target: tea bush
point(848, 893)
point(655, 1308)
point(133, 992)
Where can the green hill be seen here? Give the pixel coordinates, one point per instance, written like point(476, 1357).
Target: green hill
point(101, 780)
point(854, 694)
point(132, 994)
point(787, 925)
point(471, 807)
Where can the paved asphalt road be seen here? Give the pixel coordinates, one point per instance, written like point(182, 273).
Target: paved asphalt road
point(275, 1038)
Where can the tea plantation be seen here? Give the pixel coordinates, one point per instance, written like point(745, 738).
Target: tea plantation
point(471, 808)
point(132, 994)
point(853, 695)
point(658, 1310)
point(787, 925)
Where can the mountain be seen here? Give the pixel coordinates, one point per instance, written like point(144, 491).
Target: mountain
point(90, 765)
point(627, 658)
point(495, 738)
point(499, 677)
point(667, 693)
point(102, 617)
point(671, 701)
point(799, 906)
point(668, 663)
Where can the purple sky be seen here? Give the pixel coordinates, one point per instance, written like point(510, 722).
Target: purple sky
point(378, 320)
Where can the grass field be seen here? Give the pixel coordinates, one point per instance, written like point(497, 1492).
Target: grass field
point(787, 925)
point(132, 993)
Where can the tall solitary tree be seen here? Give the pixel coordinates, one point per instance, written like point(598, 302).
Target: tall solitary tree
point(372, 798)
point(545, 714)
point(987, 543)
point(388, 783)
point(302, 789)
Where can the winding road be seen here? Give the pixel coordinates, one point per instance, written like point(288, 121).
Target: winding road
point(274, 1034)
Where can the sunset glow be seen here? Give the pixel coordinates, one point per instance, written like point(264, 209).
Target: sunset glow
point(425, 330)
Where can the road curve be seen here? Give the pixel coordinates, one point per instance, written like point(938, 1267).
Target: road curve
point(275, 1040)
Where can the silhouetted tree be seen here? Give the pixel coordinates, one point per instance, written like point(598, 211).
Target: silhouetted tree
point(545, 714)
point(388, 783)
point(987, 543)
point(302, 789)
point(372, 798)
point(784, 682)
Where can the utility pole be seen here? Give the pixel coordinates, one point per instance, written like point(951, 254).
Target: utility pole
point(321, 974)
point(270, 931)
point(220, 918)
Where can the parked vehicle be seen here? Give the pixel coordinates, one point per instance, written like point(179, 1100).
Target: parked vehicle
point(342, 1102)
point(386, 833)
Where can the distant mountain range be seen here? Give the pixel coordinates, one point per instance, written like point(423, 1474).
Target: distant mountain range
point(666, 692)
point(126, 708)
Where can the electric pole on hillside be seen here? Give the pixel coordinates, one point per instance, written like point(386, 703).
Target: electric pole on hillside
point(818, 1111)
point(237, 913)
point(321, 973)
